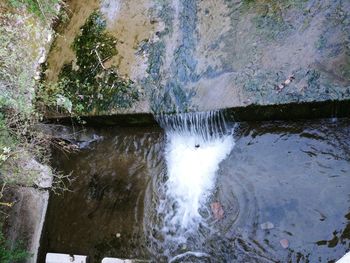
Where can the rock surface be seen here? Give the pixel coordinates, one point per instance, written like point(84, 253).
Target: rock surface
point(205, 55)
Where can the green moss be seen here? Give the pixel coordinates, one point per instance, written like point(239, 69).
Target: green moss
point(313, 79)
point(8, 254)
point(269, 27)
point(89, 84)
point(269, 16)
point(274, 6)
point(7, 142)
point(93, 46)
point(321, 43)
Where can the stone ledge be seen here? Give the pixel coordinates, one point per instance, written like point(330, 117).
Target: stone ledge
point(291, 111)
point(26, 218)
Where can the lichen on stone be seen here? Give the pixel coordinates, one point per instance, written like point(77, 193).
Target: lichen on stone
point(269, 16)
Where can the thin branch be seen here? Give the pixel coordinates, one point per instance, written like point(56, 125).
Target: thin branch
point(6, 204)
point(2, 190)
point(99, 59)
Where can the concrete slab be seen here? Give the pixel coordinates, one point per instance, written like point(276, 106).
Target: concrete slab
point(26, 218)
point(116, 260)
point(64, 258)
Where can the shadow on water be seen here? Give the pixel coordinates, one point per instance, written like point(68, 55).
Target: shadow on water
point(283, 192)
point(103, 214)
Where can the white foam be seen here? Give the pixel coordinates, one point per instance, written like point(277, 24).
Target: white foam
point(345, 259)
point(192, 160)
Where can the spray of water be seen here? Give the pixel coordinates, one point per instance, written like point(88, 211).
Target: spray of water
point(196, 144)
point(192, 162)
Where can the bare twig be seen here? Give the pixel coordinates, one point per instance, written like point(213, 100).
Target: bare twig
point(2, 195)
point(99, 59)
point(2, 190)
point(62, 182)
point(6, 204)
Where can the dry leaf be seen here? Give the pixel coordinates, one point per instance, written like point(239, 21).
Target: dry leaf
point(217, 210)
point(284, 243)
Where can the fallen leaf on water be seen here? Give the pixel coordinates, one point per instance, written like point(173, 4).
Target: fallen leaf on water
point(284, 243)
point(267, 226)
point(217, 210)
point(287, 82)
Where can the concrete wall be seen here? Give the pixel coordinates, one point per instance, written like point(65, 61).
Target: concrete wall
point(205, 55)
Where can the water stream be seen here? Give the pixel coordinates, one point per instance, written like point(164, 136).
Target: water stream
point(203, 190)
point(195, 145)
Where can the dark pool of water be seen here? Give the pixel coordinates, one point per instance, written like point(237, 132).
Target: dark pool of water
point(295, 175)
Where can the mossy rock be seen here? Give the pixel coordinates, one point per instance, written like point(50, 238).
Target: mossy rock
point(88, 83)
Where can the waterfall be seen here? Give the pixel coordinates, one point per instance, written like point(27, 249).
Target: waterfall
point(196, 143)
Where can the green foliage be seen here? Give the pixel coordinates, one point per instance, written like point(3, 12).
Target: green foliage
point(88, 84)
point(6, 139)
point(11, 255)
point(13, 80)
point(7, 142)
point(16, 63)
point(41, 8)
point(93, 45)
point(20, 141)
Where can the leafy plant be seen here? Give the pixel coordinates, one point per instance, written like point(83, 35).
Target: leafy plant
point(17, 56)
point(20, 139)
point(11, 255)
point(89, 85)
point(42, 8)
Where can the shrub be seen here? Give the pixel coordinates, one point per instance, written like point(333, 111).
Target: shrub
point(21, 39)
point(11, 255)
point(42, 8)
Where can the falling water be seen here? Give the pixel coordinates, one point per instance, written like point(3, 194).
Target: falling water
point(196, 143)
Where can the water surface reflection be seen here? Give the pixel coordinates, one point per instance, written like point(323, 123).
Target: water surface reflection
point(294, 175)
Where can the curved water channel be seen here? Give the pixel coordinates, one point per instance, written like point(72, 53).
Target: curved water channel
point(208, 192)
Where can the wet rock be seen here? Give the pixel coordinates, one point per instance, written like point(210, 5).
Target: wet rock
point(267, 225)
point(86, 144)
point(284, 243)
point(28, 173)
point(217, 210)
point(209, 55)
point(118, 260)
